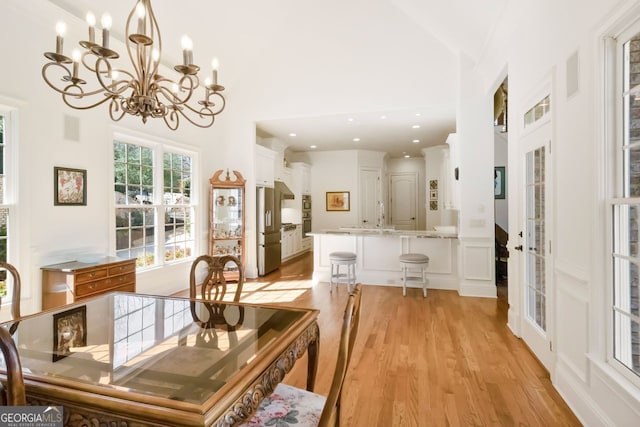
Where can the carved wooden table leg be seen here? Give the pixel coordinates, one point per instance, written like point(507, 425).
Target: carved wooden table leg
point(312, 366)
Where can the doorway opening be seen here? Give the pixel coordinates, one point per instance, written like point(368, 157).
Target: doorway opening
point(501, 201)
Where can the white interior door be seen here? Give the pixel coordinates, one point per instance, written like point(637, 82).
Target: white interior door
point(404, 198)
point(370, 198)
point(536, 284)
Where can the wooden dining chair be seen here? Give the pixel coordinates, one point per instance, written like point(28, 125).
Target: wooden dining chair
point(213, 286)
point(291, 405)
point(17, 286)
point(13, 394)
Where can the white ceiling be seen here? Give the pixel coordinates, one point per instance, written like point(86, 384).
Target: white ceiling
point(310, 66)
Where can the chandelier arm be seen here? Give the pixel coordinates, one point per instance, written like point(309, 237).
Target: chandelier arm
point(154, 31)
point(208, 116)
point(172, 97)
point(115, 108)
point(207, 104)
point(51, 85)
point(173, 117)
point(112, 88)
point(67, 96)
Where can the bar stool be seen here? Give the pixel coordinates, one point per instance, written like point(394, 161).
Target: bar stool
point(343, 258)
point(413, 261)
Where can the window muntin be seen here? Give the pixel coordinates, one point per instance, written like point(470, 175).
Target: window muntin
point(6, 206)
point(150, 228)
point(538, 111)
point(625, 308)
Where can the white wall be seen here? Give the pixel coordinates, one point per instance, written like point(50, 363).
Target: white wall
point(333, 171)
point(534, 41)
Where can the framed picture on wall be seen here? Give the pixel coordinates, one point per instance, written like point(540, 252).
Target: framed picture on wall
point(69, 187)
point(499, 181)
point(338, 201)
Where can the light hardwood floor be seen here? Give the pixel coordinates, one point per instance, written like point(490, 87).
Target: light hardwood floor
point(441, 361)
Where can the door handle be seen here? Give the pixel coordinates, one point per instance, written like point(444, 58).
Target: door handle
point(518, 248)
point(413, 218)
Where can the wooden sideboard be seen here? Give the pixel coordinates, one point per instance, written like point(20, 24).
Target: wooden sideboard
point(72, 281)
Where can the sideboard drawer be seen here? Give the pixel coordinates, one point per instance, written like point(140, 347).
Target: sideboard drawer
point(129, 267)
point(104, 285)
point(92, 275)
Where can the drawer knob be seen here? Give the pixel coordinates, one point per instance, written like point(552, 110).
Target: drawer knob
point(92, 274)
point(92, 286)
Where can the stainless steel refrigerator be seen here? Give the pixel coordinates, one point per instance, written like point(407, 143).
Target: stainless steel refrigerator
point(269, 223)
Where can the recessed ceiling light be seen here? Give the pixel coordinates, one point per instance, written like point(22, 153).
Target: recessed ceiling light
point(350, 119)
point(356, 139)
point(416, 126)
point(383, 117)
point(418, 114)
point(406, 156)
point(313, 146)
point(415, 141)
point(292, 134)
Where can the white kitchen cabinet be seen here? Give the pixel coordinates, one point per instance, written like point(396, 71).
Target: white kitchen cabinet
point(307, 244)
point(305, 177)
point(288, 244)
point(297, 239)
point(265, 166)
point(292, 242)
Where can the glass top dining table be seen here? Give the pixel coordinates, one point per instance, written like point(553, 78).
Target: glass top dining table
point(139, 359)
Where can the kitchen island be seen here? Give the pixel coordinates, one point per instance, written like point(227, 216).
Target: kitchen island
point(378, 251)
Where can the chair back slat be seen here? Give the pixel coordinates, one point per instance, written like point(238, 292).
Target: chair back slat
point(331, 411)
point(17, 286)
point(15, 392)
point(213, 286)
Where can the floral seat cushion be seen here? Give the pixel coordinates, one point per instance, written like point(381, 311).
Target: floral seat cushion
point(288, 406)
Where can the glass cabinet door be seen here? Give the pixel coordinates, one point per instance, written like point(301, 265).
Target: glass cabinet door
point(227, 221)
point(226, 231)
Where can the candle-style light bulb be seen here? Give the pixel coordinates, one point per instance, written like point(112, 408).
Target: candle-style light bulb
point(61, 28)
point(106, 26)
point(114, 78)
point(207, 81)
point(75, 55)
point(141, 12)
point(155, 55)
point(91, 21)
point(187, 46)
point(214, 65)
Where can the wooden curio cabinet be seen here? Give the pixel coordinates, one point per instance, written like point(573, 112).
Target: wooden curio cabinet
point(226, 213)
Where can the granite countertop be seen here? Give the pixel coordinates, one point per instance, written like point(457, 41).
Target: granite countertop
point(348, 231)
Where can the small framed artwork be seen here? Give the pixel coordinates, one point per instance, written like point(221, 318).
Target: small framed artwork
point(69, 330)
point(69, 187)
point(433, 184)
point(338, 201)
point(499, 181)
point(433, 194)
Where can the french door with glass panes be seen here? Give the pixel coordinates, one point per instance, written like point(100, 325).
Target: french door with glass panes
point(537, 320)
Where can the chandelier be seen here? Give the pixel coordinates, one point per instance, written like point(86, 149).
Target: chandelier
point(142, 91)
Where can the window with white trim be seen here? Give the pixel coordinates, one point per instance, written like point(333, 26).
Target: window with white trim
point(6, 203)
point(154, 209)
point(625, 257)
